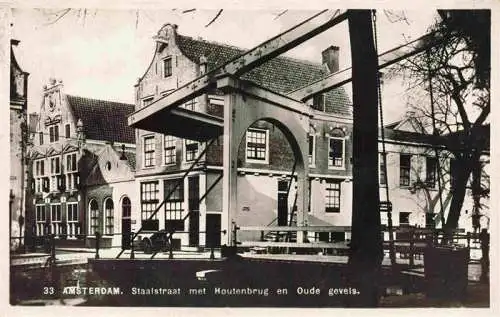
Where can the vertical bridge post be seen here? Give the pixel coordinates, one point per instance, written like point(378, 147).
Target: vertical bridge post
point(366, 240)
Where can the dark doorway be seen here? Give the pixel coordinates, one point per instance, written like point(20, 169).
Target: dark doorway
point(213, 230)
point(194, 208)
point(282, 202)
point(126, 223)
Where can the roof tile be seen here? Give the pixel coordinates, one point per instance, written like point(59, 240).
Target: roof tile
point(281, 74)
point(103, 120)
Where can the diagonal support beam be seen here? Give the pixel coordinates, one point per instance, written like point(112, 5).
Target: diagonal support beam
point(385, 59)
point(260, 54)
point(177, 184)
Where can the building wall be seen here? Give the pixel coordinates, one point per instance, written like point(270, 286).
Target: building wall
point(18, 139)
point(423, 201)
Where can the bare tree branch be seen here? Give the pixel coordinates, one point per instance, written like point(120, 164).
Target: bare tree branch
point(215, 18)
point(280, 14)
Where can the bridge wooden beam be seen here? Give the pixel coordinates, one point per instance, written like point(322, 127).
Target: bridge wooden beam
point(260, 54)
point(385, 59)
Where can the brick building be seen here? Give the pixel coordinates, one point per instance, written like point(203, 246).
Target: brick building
point(18, 140)
point(265, 159)
point(82, 161)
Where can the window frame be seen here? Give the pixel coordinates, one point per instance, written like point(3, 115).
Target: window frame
point(266, 146)
point(405, 169)
point(108, 216)
point(406, 214)
point(190, 153)
point(150, 152)
point(40, 210)
point(54, 133)
point(67, 131)
point(431, 183)
point(94, 217)
point(74, 205)
point(174, 207)
point(322, 102)
point(333, 201)
point(171, 148)
point(149, 199)
point(167, 61)
point(333, 166)
point(147, 101)
point(312, 156)
point(382, 170)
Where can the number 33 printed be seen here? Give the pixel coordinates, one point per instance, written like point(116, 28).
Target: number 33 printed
point(48, 290)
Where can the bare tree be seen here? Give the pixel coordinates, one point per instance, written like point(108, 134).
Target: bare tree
point(457, 87)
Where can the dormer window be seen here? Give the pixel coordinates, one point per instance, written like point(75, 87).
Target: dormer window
point(167, 67)
point(319, 102)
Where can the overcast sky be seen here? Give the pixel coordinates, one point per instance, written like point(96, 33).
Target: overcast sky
point(101, 53)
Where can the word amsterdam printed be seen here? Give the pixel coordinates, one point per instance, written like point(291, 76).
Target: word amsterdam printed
point(299, 173)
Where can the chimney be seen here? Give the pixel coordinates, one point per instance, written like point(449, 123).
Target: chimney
point(203, 64)
point(331, 58)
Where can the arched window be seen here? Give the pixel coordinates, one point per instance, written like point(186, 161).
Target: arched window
point(94, 217)
point(126, 208)
point(108, 216)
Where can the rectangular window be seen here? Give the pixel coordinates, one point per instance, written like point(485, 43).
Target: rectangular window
point(430, 171)
point(109, 217)
point(67, 131)
point(149, 151)
point(72, 212)
point(332, 202)
point(191, 150)
point(40, 219)
point(147, 101)
point(54, 133)
point(174, 205)
point(169, 149)
point(404, 169)
point(40, 136)
point(312, 150)
point(55, 213)
point(71, 162)
point(404, 218)
point(94, 218)
point(336, 153)
point(39, 168)
point(55, 219)
point(55, 165)
point(257, 145)
point(319, 102)
point(72, 219)
point(167, 67)
point(382, 179)
point(149, 199)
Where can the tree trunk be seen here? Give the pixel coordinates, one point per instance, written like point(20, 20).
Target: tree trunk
point(459, 188)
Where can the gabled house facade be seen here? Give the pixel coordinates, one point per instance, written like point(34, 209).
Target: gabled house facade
point(82, 161)
point(265, 159)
